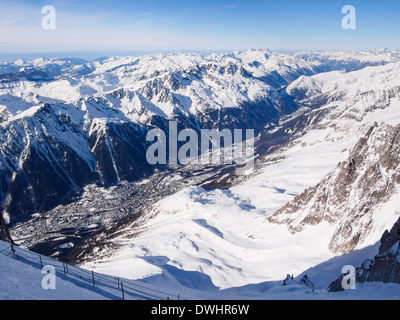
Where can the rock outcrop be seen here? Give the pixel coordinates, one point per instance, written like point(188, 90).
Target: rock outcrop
point(4, 233)
point(351, 195)
point(384, 267)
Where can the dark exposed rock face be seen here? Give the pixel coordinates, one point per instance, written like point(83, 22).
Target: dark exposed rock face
point(120, 153)
point(348, 196)
point(385, 267)
point(47, 158)
point(4, 233)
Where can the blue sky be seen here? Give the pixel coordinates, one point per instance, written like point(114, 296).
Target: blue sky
point(154, 25)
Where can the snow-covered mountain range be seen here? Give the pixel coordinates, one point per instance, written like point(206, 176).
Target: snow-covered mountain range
point(73, 158)
point(67, 123)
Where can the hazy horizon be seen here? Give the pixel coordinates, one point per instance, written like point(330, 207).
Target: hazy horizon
point(94, 55)
point(207, 26)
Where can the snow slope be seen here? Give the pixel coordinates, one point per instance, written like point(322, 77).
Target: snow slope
point(226, 234)
point(222, 238)
point(216, 234)
point(22, 280)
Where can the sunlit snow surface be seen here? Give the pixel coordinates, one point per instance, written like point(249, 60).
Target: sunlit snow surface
point(224, 233)
point(24, 282)
point(221, 239)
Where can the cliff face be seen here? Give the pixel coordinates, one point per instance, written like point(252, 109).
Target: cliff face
point(4, 233)
point(384, 267)
point(350, 196)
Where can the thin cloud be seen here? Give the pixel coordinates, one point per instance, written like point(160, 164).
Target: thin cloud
point(79, 30)
point(231, 6)
point(225, 8)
